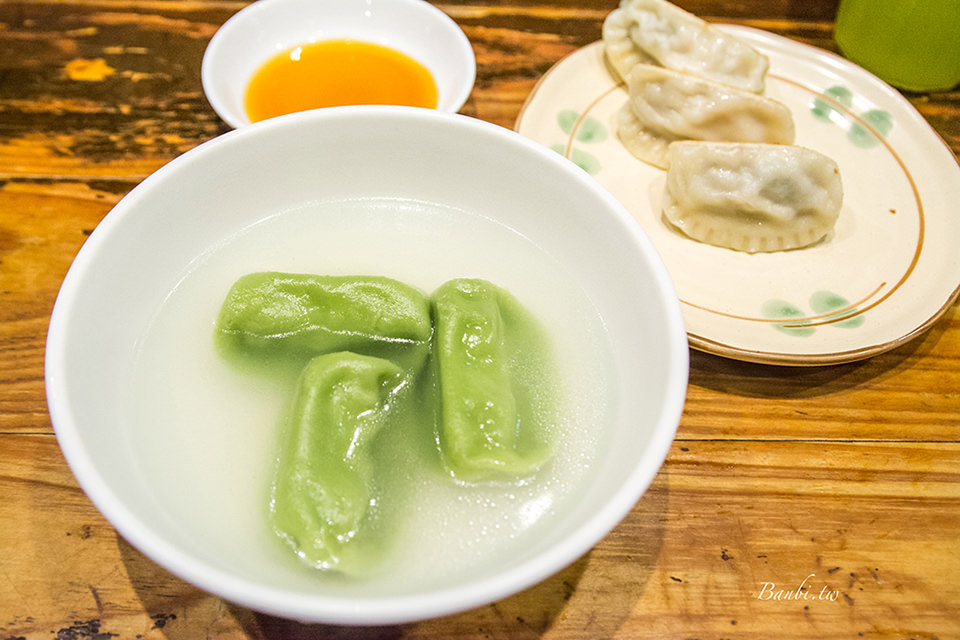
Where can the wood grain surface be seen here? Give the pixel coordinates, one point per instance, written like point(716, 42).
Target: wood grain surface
point(795, 503)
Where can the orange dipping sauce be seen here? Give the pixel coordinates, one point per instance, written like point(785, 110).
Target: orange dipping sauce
point(334, 73)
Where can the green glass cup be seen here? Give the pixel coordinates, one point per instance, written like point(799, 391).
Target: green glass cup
point(910, 44)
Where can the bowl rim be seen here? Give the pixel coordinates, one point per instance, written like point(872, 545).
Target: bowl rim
point(354, 610)
point(213, 58)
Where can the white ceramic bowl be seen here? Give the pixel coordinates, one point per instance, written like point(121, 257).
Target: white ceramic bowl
point(141, 403)
point(267, 27)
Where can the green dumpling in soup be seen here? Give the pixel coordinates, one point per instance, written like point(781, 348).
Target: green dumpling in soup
point(322, 488)
point(494, 378)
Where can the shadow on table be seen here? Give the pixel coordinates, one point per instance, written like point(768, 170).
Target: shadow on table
point(592, 597)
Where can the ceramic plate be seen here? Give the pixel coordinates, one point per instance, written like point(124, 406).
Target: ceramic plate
point(887, 272)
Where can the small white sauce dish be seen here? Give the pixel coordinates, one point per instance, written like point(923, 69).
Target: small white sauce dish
point(268, 27)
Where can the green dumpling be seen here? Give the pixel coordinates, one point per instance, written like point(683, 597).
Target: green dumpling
point(322, 489)
point(493, 372)
point(282, 313)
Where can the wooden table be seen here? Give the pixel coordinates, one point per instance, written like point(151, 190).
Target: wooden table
point(843, 480)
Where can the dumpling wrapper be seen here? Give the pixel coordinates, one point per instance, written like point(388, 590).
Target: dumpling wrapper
point(322, 489)
point(667, 106)
point(660, 33)
point(493, 421)
point(752, 197)
point(282, 314)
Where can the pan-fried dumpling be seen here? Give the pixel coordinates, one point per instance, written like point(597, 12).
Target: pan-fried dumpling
point(752, 197)
point(619, 48)
point(666, 106)
point(658, 32)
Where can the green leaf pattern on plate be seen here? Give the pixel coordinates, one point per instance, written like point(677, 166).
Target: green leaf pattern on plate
point(783, 310)
point(586, 161)
point(567, 118)
point(830, 309)
point(589, 131)
point(878, 121)
point(836, 308)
